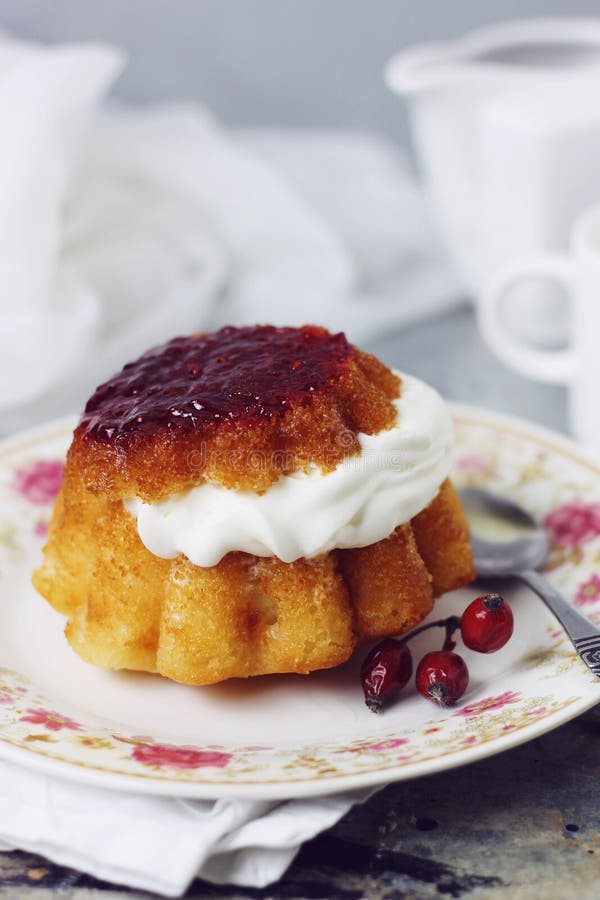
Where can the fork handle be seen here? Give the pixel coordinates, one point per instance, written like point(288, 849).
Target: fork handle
point(585, 636)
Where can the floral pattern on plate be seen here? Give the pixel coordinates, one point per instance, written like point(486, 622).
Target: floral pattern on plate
point(550, 685)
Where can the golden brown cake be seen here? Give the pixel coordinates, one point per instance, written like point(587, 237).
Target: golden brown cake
point(250, 425)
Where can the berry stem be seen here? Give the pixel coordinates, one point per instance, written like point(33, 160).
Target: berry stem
point(451, 624)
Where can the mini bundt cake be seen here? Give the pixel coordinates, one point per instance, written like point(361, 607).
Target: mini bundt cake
point(252, 501)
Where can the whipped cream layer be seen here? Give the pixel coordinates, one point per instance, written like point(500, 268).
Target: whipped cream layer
point(361, 501)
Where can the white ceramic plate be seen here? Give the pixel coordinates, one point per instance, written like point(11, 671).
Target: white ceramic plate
point(289, 736)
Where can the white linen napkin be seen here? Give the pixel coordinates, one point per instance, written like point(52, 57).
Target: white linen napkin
point(363, 188)
point(159, 844)
point(48, 317)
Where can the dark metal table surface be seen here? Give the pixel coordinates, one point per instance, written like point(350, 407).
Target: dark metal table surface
point(524, 824)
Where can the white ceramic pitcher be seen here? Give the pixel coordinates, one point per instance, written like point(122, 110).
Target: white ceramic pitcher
point(506, 125)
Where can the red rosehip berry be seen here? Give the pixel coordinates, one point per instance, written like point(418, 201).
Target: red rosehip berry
point(487, 624)
point(385, 671)
point(442, 676)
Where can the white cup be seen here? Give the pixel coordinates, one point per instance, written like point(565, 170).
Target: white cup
point(578, 364)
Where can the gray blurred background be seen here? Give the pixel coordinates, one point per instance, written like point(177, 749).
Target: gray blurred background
point(314, 63)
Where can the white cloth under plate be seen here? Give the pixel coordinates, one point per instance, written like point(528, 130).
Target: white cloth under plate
point(159, 844)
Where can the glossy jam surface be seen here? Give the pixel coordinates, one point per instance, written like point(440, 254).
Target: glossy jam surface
point(240, 375)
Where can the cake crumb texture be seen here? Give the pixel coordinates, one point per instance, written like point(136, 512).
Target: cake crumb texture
point(248, 615)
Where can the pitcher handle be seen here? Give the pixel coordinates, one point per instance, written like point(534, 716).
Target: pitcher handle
point(554, 366)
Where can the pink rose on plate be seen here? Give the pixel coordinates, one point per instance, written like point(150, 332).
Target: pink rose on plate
point(39, 482)
point(588, 592)
point(489, 703)
point(389, 744)
point(51, 720)
point(574, 523)
point(178, 757)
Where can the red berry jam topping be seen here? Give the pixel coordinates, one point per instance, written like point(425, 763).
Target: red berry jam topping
point(238, 375)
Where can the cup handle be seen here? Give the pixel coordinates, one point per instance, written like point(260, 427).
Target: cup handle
point(554, 366)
